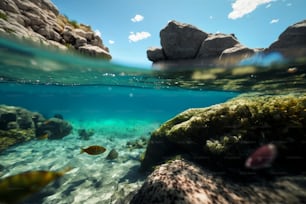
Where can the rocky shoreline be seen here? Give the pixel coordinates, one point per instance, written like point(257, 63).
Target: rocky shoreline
point(41, 22)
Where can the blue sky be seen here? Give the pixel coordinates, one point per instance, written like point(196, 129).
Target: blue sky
point(129, 27)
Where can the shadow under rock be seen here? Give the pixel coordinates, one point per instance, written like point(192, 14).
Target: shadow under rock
point(133, 175)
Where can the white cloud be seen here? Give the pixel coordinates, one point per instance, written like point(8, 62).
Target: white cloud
point(269, 5)
point(137, 18)
point(211, 17)
point(134, 37)
point(243, 7)
point(289, 4)
point(111, 42)
point(274, 21)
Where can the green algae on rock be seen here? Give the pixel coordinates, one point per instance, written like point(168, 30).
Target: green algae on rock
point(224, 135)
point(18, 125)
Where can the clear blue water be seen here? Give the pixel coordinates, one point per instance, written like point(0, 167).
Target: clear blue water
point(121, 103)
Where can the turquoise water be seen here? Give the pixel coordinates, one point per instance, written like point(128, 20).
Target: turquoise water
point(120, 103)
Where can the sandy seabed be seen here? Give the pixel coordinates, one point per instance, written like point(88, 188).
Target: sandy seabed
point(93, 179)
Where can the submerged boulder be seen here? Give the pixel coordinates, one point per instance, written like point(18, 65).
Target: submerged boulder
point(18, 125)
point(184, 182)
point(56, 128)
point(224, 135)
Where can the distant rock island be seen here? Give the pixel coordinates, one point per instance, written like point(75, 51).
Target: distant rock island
point(40, 21)
point(184, 44)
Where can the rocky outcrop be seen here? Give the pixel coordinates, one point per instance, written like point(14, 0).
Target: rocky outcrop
point(184, 42)
point(183, 182)
point(55, 128)
point(18, 125)
point(223, 136)
point(292, 42)
point(41, 22)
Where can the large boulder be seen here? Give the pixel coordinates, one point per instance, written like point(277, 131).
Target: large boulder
point(18, 125)
point(55, 128)
point(40, 21)
point(292, 42)
point(215, 44)
point(156, 54)
point(183, 182)
point(184, 45)
point(181, 41)
point(223, 136)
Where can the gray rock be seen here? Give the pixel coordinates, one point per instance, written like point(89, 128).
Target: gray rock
point(94, 51)
point(180, 181)
point(156, 54)
point(181, 41)
point(215, 44)
point(234, 55)
point(39, 21)
point(184, 45)
point(55, 128)
point(9, 5)
point(292, 42)
point(80, 41)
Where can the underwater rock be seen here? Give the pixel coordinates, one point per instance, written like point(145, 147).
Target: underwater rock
point(19, 125)
point(113, 154)
point(57, 128)
point(16, 125)
point(85, 134)
point(223, 136)
point(59, 116)
point(40, 21)
point(184, 182)
point(137, 144)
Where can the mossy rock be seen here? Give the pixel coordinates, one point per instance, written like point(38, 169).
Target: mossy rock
point(224, 135)
point(12, 137)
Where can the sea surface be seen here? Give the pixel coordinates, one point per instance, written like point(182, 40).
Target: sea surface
point(121, 104)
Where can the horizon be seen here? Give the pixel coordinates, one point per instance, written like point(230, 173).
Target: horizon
point(129, 27)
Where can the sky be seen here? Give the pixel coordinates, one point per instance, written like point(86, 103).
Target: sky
point(129, 27)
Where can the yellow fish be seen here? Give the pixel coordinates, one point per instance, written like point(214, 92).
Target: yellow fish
point(14, 189)
point(93, 150)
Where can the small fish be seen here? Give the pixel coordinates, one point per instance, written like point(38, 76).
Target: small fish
point(14, 189)
point(93, 150)
point(262, 157)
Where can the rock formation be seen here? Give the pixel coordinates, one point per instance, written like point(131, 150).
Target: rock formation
point(183, 44)
point(223, 136)
point(186, 44)
point(292, 42)
point(183, 182)
point(18, 125)
point(40, 21)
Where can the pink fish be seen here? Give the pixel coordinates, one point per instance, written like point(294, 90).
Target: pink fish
point(262, 157)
